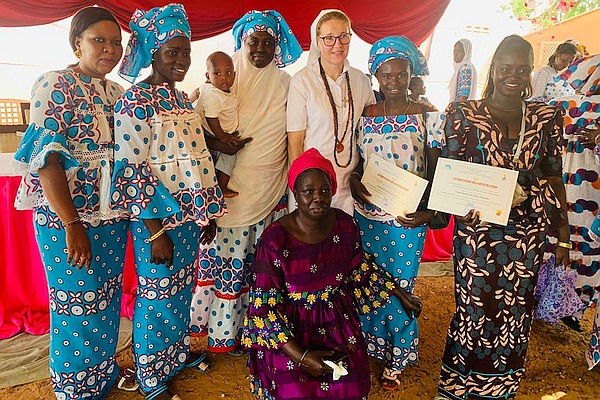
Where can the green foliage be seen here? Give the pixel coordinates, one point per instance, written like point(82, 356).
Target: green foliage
point(560, 11)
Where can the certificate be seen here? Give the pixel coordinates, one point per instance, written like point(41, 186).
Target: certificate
point(393, 189)
point(460, 186)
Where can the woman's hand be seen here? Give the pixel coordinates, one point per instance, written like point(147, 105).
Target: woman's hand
point(588, 136)
point(418, 218)
point(411, 303)
point(161, 250)
point(313, 362)
point(471, 219)
point(230, 140)
point(79, 247)
point(562, 256)
point(208, 232)
point(359, 191)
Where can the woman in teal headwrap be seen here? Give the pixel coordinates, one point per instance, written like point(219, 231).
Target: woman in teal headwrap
point(403, 132)
point(164, 177)
point(264, 44)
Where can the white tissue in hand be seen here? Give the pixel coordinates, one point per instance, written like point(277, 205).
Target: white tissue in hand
point(338, 369)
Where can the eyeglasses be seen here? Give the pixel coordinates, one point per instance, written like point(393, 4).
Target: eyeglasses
point(329, 41)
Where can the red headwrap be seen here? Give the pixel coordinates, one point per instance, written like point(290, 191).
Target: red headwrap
point(311, 159)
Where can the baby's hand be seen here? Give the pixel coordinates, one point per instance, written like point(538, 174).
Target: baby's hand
point(230, 140)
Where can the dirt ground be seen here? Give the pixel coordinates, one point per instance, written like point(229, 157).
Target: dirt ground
point(556, 362)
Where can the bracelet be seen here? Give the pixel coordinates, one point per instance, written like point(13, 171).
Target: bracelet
point(302, 358)
point(71, 222)
point(156, 235)
point(357, 174)
point(566, 245)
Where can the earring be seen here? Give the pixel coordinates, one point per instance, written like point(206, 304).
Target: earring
point(296, 204)
point(77, 53)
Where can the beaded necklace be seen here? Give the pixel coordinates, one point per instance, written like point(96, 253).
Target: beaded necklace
point(339, 143)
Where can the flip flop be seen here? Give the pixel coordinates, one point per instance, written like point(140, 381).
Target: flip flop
point(388, 384)
point(389, 379)
point(201, 364)
point(126, 380)
point(238, 352)
point(152, 395)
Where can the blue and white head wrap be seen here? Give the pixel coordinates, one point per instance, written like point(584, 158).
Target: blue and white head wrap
point(149, 31)
point(287, 48)
point(397, 47)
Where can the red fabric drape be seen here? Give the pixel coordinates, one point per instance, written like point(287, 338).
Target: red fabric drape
point(438, 244)
point(23, 297)
point(23, 286)
point(370, 21)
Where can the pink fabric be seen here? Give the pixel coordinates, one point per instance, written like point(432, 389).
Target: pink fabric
point(23, 287)
point(438, 244)
point(310, 159)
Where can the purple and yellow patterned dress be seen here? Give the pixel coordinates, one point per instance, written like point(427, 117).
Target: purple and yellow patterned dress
point(496, 267)
point(310, 292)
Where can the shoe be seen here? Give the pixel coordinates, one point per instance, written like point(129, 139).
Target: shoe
point(572, 323)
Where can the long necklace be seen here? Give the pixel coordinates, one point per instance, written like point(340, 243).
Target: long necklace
point(405, 111)
point(338, 145)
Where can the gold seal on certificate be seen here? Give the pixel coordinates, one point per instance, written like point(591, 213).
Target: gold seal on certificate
point(393, 189)
point(460, 186)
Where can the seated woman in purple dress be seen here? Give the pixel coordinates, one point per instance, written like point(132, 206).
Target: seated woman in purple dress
point(310, 283)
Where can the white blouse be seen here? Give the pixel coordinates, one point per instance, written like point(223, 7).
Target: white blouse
point(309, 109)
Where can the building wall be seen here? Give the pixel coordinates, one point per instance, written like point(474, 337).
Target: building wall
point(584, 28)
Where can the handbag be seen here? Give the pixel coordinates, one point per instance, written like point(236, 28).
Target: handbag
point(439, 220)
point(555, 293)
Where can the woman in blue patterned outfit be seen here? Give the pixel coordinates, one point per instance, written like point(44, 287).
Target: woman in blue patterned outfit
point(164, 177)
point(395, 129)
point(66, 159)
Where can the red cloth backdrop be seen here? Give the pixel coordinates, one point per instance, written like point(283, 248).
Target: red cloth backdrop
point(414, 19)
point(23, 286)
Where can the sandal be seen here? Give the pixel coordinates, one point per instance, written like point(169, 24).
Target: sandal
point(126, 380)
point(157, 392)
point(389, 379)
point(238, 351)
point(201, 364)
